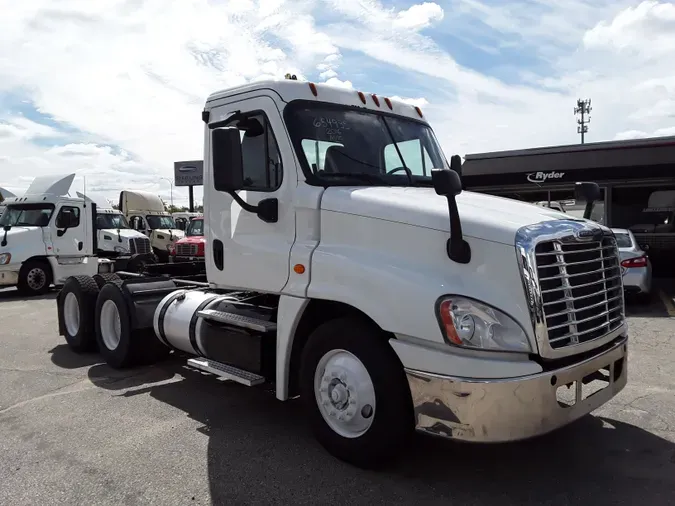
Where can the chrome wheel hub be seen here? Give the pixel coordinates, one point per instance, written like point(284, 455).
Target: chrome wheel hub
point(344, 393)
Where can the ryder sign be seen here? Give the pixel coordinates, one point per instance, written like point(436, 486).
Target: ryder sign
point(542, 177)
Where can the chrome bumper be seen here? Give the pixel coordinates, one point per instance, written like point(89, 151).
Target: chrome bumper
point(515, 408)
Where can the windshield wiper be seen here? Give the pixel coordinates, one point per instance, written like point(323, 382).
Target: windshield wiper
point(359, 176)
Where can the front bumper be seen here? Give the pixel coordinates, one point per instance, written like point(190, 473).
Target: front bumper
point(9, 278)
point(515, 408)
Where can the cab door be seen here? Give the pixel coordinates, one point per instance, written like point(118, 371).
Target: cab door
point(243, 250)
point(67, 231)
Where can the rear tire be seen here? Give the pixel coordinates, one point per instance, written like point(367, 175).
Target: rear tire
point(113, 327)
point(35, 278)
point(102, 279)
point(355, 393)
point(76, 305)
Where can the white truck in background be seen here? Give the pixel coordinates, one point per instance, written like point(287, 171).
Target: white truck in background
point(115, 239)
point(145, 213)
point(47, 236)
point(345, 265)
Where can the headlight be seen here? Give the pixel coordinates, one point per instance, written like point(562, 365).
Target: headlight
point(472, 324)
point(5, 258)
point(120, 249)
point(170, 247)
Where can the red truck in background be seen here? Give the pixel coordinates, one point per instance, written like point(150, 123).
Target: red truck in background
point(191, 247)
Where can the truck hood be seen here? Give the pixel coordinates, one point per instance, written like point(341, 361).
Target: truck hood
point(125, 233)
point(22, 236)
point(483, 216)
point(175, 233)
point(192, 239)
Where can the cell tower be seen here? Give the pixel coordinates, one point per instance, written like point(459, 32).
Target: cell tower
point(583, 108)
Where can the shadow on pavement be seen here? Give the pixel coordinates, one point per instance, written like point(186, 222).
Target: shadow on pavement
point(63, 356)
point(12, 294)
point(260, 451)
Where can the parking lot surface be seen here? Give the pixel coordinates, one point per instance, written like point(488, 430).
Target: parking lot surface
point(74, 431)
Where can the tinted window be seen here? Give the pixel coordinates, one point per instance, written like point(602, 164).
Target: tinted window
point(196, 227)
point(27, 215)
point(623, 240)
point(60, 218)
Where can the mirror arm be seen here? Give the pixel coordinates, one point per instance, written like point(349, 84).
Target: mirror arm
point(458, 249)
point(267, 209)
point(588, 210)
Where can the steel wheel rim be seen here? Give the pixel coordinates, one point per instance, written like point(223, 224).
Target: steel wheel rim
point(36, 278)
point(71, 314)
point(111, 325)
point(344, 393)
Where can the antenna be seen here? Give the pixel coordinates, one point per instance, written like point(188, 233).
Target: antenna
point(583, 107)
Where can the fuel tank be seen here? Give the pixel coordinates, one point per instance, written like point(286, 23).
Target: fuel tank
point(176, 322)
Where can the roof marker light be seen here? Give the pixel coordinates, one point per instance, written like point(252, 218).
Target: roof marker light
point(362, 97)
point(376, 100)
point(388, 102)
point(312, 87)
point(419, 111)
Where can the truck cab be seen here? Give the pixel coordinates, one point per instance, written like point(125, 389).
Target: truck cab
point(146, 214)
point(191, 247)
point(346, 266)
point(46, 237)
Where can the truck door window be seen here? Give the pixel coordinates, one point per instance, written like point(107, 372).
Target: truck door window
point(60, 221)
point(416, 157)
point(260, 153)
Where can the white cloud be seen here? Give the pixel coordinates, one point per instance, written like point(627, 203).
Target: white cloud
point(134, 75)
point(418, 16)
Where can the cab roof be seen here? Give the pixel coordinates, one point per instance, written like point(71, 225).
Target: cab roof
point(288, 90)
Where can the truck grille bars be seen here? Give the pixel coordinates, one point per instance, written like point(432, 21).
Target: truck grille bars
point(572, 280)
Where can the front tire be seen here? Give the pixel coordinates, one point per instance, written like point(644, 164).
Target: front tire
point(35, 278)
point(355, 392)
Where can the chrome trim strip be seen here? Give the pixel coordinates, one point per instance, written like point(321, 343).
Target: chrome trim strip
point(563, 232)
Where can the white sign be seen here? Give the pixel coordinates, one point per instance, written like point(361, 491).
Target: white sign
point(189, 173)
point(542, 177)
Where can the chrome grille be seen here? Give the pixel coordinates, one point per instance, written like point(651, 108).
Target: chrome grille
point(581, 290)
point(186, 250)
point(140, 245)
point(573, 285)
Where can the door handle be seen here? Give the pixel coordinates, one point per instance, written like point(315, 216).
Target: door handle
point(79, 246)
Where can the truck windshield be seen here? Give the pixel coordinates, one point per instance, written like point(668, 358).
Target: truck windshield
point(27, 215)
point(104, 220)
point(161, 222)
point(345, 146)
point(196, 227)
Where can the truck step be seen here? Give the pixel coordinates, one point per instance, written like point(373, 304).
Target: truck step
point(226, 371)
point(237, 320)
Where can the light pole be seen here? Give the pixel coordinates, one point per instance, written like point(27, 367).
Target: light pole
point(171, 183)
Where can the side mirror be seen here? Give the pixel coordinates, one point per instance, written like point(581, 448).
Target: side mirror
point(227, 164)
point(590, 192)
point(446, 182)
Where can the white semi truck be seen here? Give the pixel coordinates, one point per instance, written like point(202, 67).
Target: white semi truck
point(345, 265)
point(145, 213)
point(47, 236)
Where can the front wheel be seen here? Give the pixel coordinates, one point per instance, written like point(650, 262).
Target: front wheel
point(355, 392)
point(35, 277)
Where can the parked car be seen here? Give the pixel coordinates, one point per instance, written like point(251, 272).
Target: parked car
point(635, 265)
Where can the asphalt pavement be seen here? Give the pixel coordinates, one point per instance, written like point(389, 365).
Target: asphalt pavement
point(74, 431)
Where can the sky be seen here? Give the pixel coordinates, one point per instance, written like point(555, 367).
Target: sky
point(113, 89)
